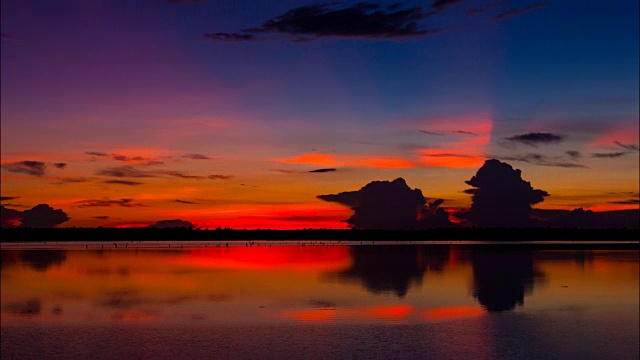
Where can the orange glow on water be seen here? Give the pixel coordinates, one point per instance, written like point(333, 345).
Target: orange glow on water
point(453, 312)
point(311, 315)
point(376, 313)
point(264, 257)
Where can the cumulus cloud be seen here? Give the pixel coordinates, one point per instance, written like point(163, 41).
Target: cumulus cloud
point(163, 224)
point(106, 202)
point(501, 197)
point(34, 168)
point(518, 11)
point(43, 216)
point(362, 20)
point(384, 205)
point(535, 139)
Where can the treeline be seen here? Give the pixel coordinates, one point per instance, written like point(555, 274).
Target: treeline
point(188, 234)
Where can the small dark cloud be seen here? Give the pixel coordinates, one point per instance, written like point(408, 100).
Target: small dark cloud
point(574, 155)
point(60, 165)
point(122, 182)
point(34, 168)
point(186, 202)
point(542, 160)
point(431, 132)
point(464, 132)
point(106, 202)
point(102, 217)
point(220, 177)
point(632, 147)
point(362, 20)
point(501, 197)
point(43, 216)
point(322, 170)
point(163, 224)
point(8, 198)
point(518, 11)
point(182, 175)
point(126, 172)
point(96, 153)
point(535, 139)
point(441, 5)
point(609, 155)
point(197, 156)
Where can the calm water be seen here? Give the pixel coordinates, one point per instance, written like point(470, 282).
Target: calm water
point(321, 301)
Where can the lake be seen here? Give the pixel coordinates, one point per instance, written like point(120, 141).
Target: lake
point(280, 300)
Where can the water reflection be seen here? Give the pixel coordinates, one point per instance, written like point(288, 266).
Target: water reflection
point(502, 279)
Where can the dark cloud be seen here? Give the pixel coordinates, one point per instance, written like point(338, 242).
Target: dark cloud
point(43, 216)
point(197, 156)
point(123, 182)
point(96, 153)
point(431, 132)
point(72, 180)
point(102, 217)
point(182, 175)
point(8, 198)
point(219, 177)
point(322, 170)
point(609, 155)
point(626, 202)
point(441, 5)
point(163, 224)
point(384, 205)
point(60, 165)
point(363, 20)
point(535, 139)
point(126, 172)
point(519, 11)
point(632, 147)
point(9, 217)
point(464, 132)
point(542, 160)
point(186, 202)
point(35, 168)
point(501, 197)
point(574, 155)
point(106, 202)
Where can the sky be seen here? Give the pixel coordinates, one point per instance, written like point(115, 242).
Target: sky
point(240, 113)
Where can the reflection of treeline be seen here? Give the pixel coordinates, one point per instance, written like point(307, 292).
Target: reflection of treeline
point(449, 234)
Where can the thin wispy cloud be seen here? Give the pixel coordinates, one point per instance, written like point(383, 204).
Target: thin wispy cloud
point(518, 11)
point(542, 160)
point(610, 155)
point(33, 168)
point(197, 157)
point(122, 182)
point(535, 139)
point(106, 202)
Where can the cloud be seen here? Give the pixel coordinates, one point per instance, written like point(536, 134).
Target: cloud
point(632, 147)
point(384, 205)
point(8, 198)
point(362, 20)
point(60, 165)
point(43, 216)
point(220, 177)
point(101, 217)
point(197, 157)
point(122, 182)
point(626, 202)
point(574, 155)
point(34, 168)
point(96, 153)
point(106, 202)
point(163, 224)
point(535, 139)
point(501, 197)
point(9, 217)
point(441, 5)
point(519, 11)
point(126, 172)
point(186, 202)
point(609, 155)
point(542, 160)
point(323, 170)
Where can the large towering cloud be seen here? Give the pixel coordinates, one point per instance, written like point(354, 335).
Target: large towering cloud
point(385, 205)
point(501, 197)
point(43, 216)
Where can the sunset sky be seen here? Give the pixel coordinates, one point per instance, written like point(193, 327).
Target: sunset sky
point(239, 113)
